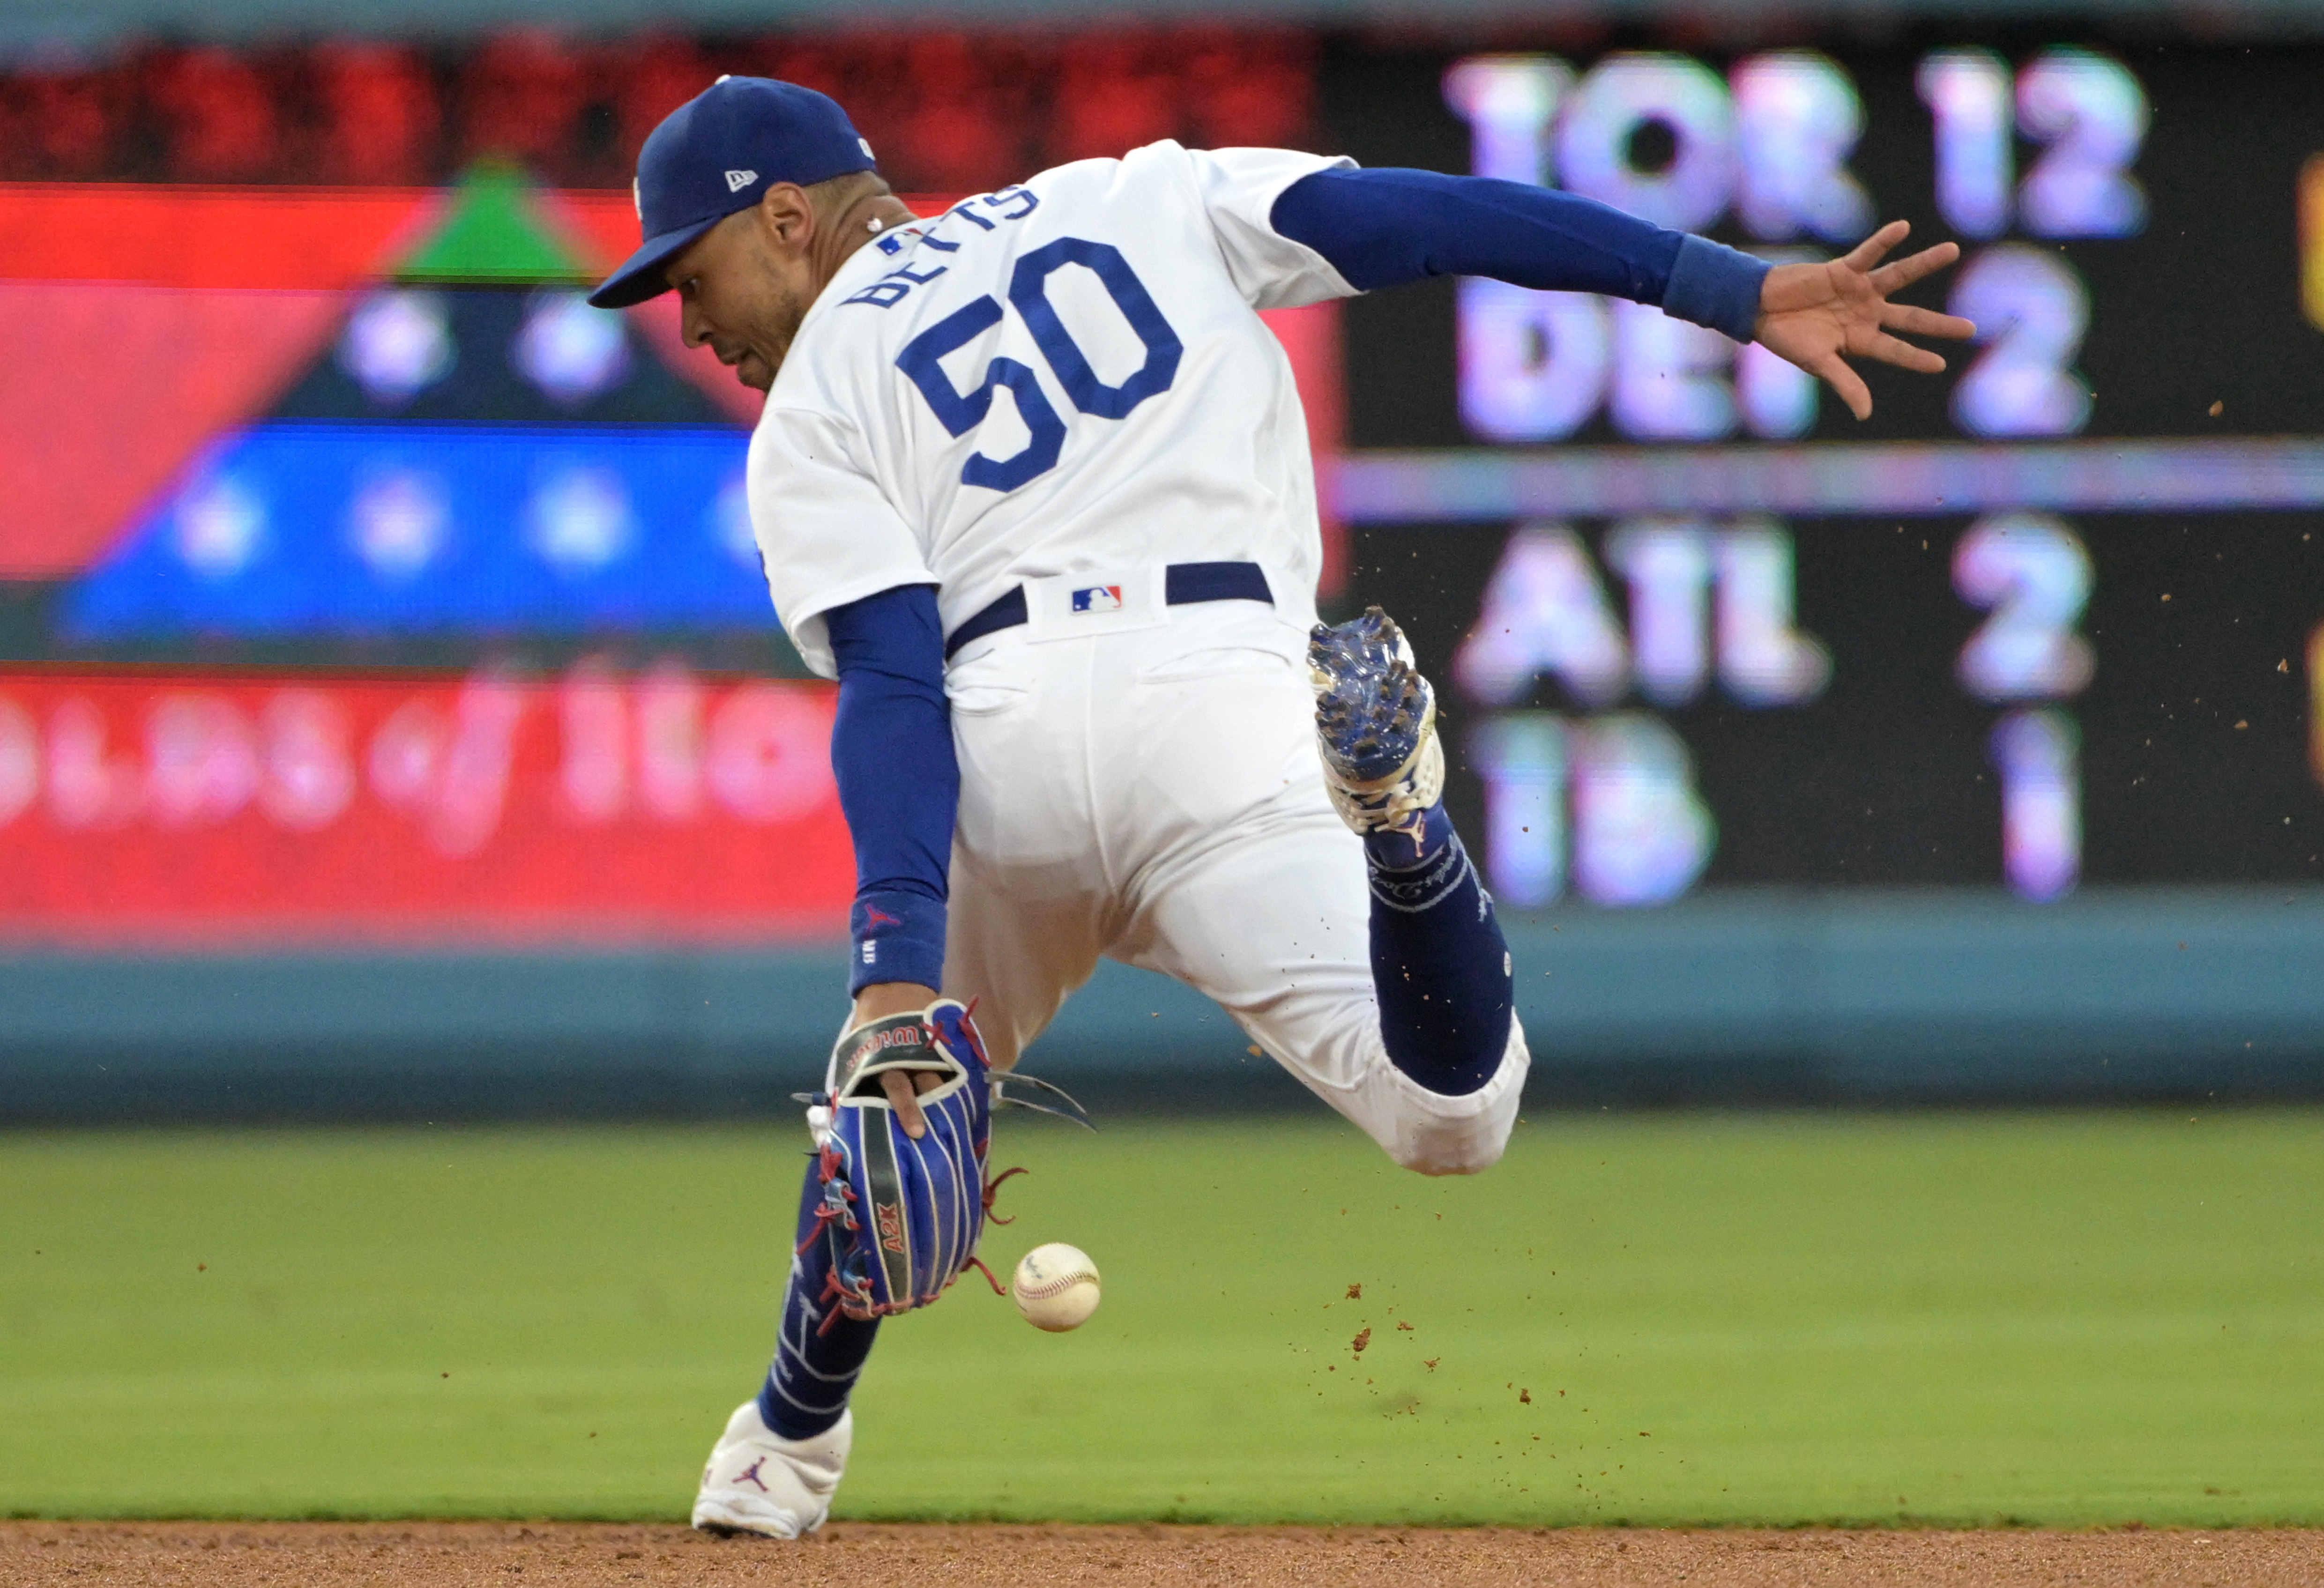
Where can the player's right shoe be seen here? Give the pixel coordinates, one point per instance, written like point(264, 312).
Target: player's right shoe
point(758, 1482)
point(1375, 725)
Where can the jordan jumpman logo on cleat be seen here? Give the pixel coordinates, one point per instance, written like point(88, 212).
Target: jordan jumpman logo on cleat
point(749, 1474)
point(1375, 725)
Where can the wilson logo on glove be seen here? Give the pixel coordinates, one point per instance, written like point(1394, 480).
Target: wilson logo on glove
point(854, 1060)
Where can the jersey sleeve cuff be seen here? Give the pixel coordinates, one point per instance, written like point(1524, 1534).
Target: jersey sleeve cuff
point(898, 936)
point(806, 622)
point(1716, 286)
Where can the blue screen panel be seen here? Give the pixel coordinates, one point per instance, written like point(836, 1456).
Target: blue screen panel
point(293, 529)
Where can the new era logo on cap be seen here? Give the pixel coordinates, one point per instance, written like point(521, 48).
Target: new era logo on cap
point(738, 180)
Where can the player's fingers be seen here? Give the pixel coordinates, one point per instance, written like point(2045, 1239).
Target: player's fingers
point(1924, 322)
point(1892, 279)
point(1866, 254)
point(1835, 374)
point(905, 1102)
point(926, 1080)
point(1903, 355)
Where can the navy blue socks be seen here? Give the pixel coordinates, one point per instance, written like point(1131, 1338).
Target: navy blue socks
point(1440, 967)
point(815, 1368)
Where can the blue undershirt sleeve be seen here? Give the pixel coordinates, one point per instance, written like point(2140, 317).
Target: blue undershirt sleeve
point(1386, 226)
point(899, 780)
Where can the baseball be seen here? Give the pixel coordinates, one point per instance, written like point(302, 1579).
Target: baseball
point(1055, 1287)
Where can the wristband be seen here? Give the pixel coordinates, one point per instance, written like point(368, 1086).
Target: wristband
point(898, 936)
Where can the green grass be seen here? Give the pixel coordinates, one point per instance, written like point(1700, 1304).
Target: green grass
point(2063, 1319)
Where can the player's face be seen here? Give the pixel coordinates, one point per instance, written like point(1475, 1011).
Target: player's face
point(743, 292)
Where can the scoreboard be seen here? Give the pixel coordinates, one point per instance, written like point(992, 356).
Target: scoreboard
point(393, 590)
point(2050, 618)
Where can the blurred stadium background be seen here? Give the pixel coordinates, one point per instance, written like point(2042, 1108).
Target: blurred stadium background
point(392, 722)
point(392, 731)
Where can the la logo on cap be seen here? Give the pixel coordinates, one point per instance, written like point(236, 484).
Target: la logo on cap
point(738, 180)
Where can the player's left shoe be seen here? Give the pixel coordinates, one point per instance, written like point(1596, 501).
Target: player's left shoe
point(1375, 725)
point(758, 1482)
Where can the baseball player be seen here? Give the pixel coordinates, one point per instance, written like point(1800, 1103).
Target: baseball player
point(1032, 483)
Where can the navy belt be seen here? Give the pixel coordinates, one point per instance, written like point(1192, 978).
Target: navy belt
point(1183, 584)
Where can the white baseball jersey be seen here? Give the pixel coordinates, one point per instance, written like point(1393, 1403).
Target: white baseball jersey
point(1064, 378)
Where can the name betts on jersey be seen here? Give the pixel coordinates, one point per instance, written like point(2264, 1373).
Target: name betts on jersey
point(1057, 377)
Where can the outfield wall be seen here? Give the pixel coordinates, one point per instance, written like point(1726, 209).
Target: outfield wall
point(1736, 996)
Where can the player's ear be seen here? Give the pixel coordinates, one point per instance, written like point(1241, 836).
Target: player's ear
point(786, 218)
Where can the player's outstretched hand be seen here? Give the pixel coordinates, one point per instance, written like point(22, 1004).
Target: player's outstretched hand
point(1820, 316)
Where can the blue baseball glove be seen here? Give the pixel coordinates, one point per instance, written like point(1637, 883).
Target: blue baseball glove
point(903, 1217)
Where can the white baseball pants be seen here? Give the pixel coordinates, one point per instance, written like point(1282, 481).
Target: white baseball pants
point(1151, 792)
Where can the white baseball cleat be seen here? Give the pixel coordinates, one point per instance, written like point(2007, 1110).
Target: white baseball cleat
point(1375, 725)
point(758, 1482)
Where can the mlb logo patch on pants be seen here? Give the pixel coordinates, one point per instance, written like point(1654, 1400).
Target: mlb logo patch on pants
point(1095, 601)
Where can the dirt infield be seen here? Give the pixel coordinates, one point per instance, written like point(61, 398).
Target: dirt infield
point(421, 1554)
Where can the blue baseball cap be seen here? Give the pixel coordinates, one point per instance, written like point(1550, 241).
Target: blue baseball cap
point(716, 154)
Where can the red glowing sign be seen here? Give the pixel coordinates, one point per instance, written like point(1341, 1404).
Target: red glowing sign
point(590, 804)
